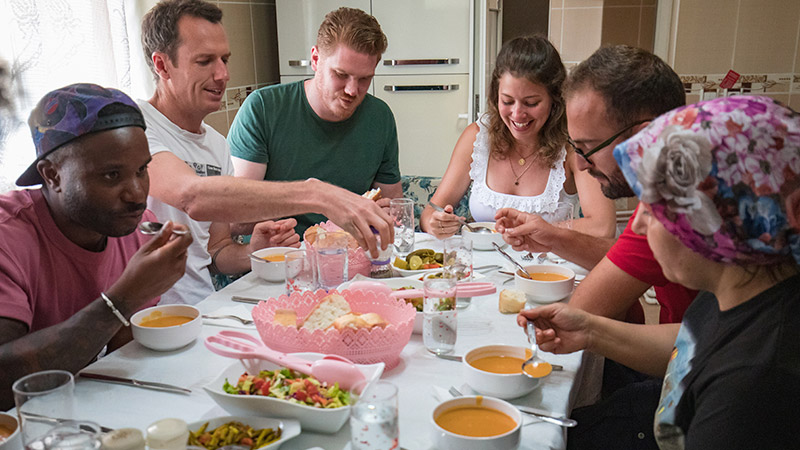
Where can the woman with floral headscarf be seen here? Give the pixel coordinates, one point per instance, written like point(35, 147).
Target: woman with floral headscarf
point(720, 186)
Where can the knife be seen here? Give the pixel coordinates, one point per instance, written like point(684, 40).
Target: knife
point(137, 383)
point(253, 301)
point(542, 415)
point(556, 367)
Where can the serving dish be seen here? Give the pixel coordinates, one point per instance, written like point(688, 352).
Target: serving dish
point(289, 427)
point(310, 418)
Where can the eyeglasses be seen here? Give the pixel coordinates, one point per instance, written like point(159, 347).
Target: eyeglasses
point(603, 144)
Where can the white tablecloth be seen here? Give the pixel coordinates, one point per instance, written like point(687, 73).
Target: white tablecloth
point(194, 366)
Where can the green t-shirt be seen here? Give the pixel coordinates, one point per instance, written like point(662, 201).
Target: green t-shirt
point(277, 127)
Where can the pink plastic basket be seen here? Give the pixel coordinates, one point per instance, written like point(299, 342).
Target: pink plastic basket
point(360, 346)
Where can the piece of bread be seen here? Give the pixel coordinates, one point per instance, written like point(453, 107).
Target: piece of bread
point(285, 317)
point(374, 320)
point(329, 309)
point(373, 194)
point(511, 301)
point(349, 320)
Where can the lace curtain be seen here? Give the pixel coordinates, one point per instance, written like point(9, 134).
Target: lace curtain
point(52, 43)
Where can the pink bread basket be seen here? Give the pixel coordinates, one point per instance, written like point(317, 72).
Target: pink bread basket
point(361, 346)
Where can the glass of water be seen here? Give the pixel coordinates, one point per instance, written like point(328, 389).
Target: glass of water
point(47, 393)
point(561, 217)
point(301, 271)
point(440, 318)
point(373, 416)
point(402, 211)
point(458, 263)
point(330, 248)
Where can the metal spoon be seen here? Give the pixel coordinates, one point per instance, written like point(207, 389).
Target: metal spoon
point(534, 360)
point(155, 227)
point(230, 316)
point(524, 273)
point(473, 228)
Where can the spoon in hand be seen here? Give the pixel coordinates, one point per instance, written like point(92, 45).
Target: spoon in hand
point(522, 271)
point(155, 227)
point(535, 367)
point(473, 228)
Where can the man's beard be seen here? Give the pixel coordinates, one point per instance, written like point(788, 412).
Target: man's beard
point(613, 186)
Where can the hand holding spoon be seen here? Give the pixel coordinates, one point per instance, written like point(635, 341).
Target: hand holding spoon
point(154, 227)
point(535, 367)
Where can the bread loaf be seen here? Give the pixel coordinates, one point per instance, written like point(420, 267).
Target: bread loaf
point(285, 317)
point(329, 309)
point(356, 321)
point(511, 301)
point(374, 320)
point(373, 194)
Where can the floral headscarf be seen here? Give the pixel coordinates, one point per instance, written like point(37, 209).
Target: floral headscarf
point(717, 175)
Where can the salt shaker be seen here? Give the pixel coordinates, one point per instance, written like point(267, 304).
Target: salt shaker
point(381, 267)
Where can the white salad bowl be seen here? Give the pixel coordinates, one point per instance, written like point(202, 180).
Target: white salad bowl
point(289, 428)
point(323, 420)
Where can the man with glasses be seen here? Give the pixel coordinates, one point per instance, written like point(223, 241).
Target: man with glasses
point(610, 97)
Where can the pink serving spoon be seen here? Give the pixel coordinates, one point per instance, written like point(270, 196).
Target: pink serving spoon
point(463, 289)
point(330, 369)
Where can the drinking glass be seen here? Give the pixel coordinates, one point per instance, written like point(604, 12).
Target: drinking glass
point(458, 263)
point(330, 248)
point(373, 416)
point(562, 217)
point(402, 211)
point(440, 318)
point(48, 393)
point(69, 435)
point(301, 271)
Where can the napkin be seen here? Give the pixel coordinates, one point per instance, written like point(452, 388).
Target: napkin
point(235, 310)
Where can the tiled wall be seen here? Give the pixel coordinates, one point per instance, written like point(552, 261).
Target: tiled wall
point(579, 27)
point(253, 37)
point(756, 38)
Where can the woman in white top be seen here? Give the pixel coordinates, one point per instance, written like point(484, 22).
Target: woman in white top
point(515, 155)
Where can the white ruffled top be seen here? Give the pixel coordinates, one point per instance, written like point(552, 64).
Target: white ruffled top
point(484, 202)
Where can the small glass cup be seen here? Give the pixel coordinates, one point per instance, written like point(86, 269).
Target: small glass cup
point(48, 393)
point(373, 416)
point(458, 263)
point(402, 211)
point(330, 248)
point(301, 271)
point(440, 318)
point(69, 435)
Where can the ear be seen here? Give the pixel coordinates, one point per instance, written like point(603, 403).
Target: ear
point(161, 64)
point(314, 58)
point(792, 204)
point(49, 172)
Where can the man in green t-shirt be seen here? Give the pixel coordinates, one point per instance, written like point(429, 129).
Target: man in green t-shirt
point(326, 127)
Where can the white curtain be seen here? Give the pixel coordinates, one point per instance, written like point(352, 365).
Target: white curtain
point(52, 43)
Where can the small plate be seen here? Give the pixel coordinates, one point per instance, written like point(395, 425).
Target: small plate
point(289, 428)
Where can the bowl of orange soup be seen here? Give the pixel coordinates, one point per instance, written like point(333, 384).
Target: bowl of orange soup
point(550, 282)
point(269, 263)
point(476, 423)
point(10, 434)
point(496, 370)
point(166, 327)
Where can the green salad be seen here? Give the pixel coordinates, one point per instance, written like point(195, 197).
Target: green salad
point(289, 385)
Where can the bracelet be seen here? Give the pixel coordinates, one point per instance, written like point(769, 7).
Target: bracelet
point(115, 310)
point(213, 266)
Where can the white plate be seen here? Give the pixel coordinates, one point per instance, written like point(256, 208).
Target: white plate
point(289, 428)
point(410, 273)
point(311, 419)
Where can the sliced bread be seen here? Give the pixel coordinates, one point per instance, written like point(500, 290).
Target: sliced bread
point(329, 309)
point(511, 301)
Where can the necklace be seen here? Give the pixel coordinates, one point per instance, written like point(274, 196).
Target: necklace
point(521, 160)
point(517, 177)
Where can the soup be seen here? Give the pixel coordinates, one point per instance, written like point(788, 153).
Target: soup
point(158, 319)
point(542, 369)
point(547, 276)
point(475, 421)
point(5, 432)
point(504, 364)
point(274, 258)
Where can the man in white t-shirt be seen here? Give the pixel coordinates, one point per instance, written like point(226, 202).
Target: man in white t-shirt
point(187, 49)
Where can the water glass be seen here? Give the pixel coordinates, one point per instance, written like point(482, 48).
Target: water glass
point(402, 211)
point(330, 248)
point(301, 271)
point(458, 263)
point(373, 416)
point(69, 435)
point(48, 393)
point(562, 217)
point(440, 318)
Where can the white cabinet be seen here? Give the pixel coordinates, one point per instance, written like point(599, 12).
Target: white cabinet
point(431, 113)
point(298, 23)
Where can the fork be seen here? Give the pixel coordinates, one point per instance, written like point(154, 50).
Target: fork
point(230, 316)
point(540, 258)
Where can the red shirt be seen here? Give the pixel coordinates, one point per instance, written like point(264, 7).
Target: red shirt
point(632, 254)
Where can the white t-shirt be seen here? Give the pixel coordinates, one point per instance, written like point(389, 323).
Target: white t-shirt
point(484, 202)
point(208, 154)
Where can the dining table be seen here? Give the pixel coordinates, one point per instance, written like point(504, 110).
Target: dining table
point(422, 378)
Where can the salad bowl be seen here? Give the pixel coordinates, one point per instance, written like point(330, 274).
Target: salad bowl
point(323, 420)
point(289, 428)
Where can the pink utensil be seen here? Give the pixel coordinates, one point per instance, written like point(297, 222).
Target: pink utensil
point(463, 289)
point(330, 369)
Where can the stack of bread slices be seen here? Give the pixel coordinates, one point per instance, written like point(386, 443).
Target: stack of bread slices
point(332, 311)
